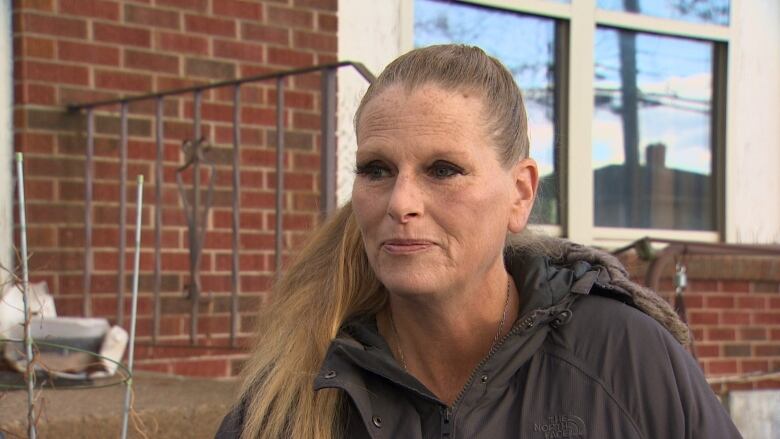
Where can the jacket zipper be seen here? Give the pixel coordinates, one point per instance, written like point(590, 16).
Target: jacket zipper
point(525, 323)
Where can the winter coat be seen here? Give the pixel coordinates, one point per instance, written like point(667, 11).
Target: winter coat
point(592, 355)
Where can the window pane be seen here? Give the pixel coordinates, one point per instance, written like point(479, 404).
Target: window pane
point(695, 11)
point(652, 148)
point(526, 45)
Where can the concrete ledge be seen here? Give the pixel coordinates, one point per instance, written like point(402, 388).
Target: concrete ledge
point(169, 406)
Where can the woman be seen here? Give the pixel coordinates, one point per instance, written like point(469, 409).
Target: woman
point(408, 314)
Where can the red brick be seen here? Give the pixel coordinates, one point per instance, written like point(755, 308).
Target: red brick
point(153, 62)
point(122, 81)
point(260, 116)
point(290, 17)
point(263, 200)
point(702, 285)
point(721, 334)
point(326, 58)
point(256, 282)
point(211, 26)
point(307, 202)
point(315, 41)
point(88, 53)
point(703, 318)
point(327, 22)
point(766, 318)
point(772, 350)
point(34, 143)
point(306, 120)
point(293, 181)
point(238, 9)
point(294, 99)
point(265, 33)
point(151, 16)
point(237, 50)
point(31, 93)
point(748, 366)
point(183, 43)
point(124, 35)
point(735, 286)
point(719, 301)
point(52, 25)
point(55, 73)
point(720, 367)
point(774, 302)
point(327, 5)
point(108, 10)
point(210, 69)
point(33, 47)
point(752, 333)
point(196, 5)
point(40, 5)
point(751, 302)
point(735, 318)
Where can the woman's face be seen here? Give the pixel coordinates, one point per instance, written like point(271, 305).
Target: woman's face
point(432, 200)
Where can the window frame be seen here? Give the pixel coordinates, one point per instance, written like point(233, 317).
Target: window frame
point(576, 194)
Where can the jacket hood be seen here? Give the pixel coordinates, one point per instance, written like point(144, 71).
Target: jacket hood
point(613, 279)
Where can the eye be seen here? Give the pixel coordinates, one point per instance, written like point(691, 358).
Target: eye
point(442, 170)
point(373, 171)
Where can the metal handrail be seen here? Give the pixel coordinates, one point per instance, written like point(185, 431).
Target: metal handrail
point(359, 67)
point(327, 175)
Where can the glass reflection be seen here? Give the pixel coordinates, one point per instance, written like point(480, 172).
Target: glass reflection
point(526, 46)
point(695, 11)
point(652, 153)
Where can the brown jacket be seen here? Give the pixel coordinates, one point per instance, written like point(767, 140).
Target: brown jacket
point(582, 361)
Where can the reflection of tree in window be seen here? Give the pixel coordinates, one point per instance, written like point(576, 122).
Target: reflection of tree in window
point(641, 87)
point(697, 11)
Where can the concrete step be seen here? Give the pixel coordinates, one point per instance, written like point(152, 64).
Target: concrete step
point(167, 407)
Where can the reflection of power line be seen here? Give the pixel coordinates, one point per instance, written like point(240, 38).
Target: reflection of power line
point(606, 96)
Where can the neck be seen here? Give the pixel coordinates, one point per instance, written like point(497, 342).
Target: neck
point(440, 340)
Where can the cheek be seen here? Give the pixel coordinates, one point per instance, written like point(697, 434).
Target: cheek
point(366, 209)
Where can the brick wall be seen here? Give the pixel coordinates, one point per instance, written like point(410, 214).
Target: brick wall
point(69, 51)
point(733, 305)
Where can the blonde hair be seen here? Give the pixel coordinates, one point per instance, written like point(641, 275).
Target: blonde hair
point(331, 278)
point(470, 69)
point(330, 281)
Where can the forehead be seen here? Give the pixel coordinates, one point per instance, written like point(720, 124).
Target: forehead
point(423, 111)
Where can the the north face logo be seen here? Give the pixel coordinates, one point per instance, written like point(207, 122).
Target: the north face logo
point(561, 426)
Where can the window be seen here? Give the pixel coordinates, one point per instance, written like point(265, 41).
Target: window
point(651, 147)
point(499, 33)
point(626, 101)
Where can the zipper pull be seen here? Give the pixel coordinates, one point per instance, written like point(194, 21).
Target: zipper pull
point(446, 426)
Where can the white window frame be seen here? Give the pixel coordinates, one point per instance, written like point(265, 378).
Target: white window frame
point(584, 18)
point(6, 141)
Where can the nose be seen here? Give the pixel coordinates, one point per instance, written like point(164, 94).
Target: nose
point(405, 200)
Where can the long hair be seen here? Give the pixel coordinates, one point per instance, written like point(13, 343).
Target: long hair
point(331, 278)
point(329, 282)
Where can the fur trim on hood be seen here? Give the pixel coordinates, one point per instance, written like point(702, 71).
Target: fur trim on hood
point(646, 300)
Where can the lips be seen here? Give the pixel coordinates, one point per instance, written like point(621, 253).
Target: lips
point(406, 246)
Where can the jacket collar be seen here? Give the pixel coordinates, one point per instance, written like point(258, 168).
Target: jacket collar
point(545, 289)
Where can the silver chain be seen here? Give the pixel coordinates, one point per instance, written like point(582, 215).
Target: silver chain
point(495, 340)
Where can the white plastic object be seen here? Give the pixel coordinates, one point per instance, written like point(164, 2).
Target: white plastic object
point(12, 306)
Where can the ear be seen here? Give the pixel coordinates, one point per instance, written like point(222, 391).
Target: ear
point(526, 178)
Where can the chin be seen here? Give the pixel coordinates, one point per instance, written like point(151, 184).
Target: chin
point(405, 283)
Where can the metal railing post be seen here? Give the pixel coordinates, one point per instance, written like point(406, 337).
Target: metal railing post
point(120, 303)
point(328, 142)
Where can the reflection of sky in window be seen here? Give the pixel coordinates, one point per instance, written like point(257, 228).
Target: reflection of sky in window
point(675, 85)
point(696, 11)
point(524, 44)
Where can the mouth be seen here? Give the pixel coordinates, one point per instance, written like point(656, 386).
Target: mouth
point(406, 246)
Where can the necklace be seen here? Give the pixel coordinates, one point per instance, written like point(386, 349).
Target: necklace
point(495, 339)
